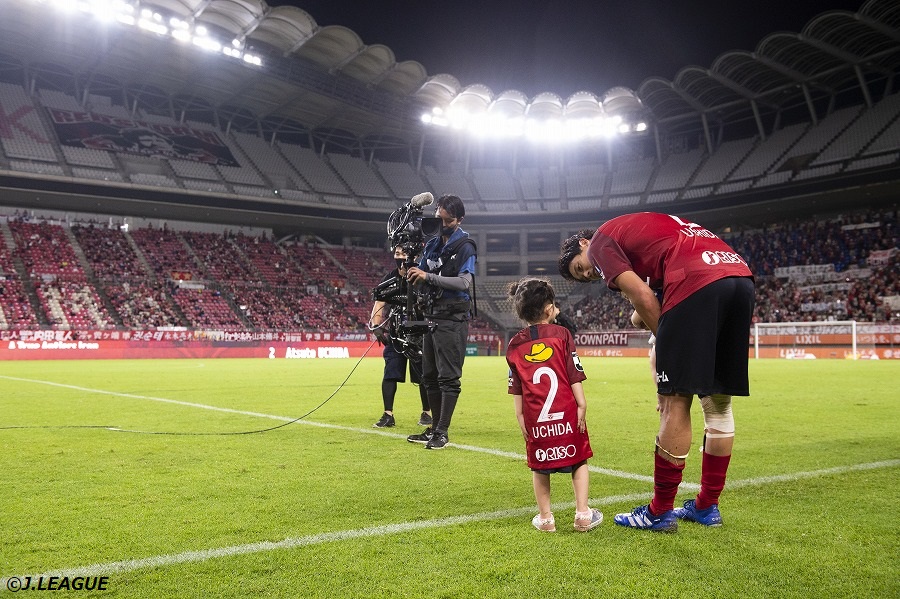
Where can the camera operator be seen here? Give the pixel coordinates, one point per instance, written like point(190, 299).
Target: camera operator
point(445, 276)
point(395, 361)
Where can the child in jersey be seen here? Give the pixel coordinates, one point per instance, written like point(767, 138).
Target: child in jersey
point(545, 379)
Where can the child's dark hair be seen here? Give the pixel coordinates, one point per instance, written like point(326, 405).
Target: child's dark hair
point(529, 296)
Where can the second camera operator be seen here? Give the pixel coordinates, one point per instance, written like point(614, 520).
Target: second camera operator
point(445, 275)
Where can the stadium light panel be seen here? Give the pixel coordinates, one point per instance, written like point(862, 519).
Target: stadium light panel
point(130, 14)
point(64, 6)
point(207, 44)
point(152, 26)
point(551, 131)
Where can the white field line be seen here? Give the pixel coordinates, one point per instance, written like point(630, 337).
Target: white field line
point(368, 431)
point(402, 527)
point(390, 529)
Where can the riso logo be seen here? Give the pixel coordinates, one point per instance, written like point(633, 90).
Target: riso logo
point(555, 453)
point(713, 258)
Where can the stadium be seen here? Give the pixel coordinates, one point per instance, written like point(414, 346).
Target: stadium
point(195, 180)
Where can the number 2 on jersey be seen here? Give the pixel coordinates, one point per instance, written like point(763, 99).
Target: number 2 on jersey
point(546, 415)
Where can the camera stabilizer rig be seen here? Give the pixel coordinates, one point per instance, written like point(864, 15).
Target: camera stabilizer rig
point(407, 228)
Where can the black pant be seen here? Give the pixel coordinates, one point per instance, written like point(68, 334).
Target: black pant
point(443, 353)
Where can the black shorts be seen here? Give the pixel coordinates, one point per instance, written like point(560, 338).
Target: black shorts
point(395, 366)
point(703, 343)
point(563, 470)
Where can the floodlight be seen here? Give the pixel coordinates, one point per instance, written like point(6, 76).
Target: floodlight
point(515, 127)
point(477, 125)
point(207, 44)
point(426, 118)
point(126, 13)
point(642, 126)
point(63, 5)
point(149, 25)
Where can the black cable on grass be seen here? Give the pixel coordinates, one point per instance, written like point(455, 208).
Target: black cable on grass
point(116, 429)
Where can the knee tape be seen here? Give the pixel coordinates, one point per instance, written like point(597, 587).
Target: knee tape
point(717, 415)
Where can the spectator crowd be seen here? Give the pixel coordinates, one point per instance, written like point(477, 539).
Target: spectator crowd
point(95, 275)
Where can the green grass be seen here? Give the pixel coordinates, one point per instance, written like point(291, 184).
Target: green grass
point(366, 514)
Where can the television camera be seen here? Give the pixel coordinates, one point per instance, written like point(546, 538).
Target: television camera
point(408, 229)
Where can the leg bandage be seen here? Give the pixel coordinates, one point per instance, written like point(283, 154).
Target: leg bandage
point(717, 416)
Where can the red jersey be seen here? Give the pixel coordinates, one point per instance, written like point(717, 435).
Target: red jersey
point(543, 365)
point(675, 256)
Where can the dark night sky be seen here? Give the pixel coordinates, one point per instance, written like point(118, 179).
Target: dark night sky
point(564, 46)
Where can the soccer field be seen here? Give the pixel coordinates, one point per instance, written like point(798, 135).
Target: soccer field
point(140, 472)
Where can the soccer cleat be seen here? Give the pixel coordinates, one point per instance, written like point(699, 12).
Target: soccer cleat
point(385, 421)
point(423, 437)
point(708, 517)
point(438, 441)
point(588, 521)
point(425, 419)
point(641, 518)
point(544, 524)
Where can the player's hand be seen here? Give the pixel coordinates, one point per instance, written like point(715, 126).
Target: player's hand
point(581, 422)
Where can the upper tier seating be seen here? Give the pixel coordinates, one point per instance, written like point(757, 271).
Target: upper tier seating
point(401, 178)
point(357, 174)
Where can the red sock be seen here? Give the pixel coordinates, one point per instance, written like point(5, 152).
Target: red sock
point(666, 478)
point(712, 480)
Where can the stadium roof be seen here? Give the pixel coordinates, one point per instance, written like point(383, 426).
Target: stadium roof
point(327, 81)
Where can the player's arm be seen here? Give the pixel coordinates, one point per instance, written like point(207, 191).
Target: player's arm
point(641, 297)
point(578, 392)
point(520, 415)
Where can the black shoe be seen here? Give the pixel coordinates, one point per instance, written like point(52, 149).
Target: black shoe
point(386, 421)
point(438, 441)
point(425, 419)
point(423, 437)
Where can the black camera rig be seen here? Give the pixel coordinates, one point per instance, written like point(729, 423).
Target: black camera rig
point(408, 229)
